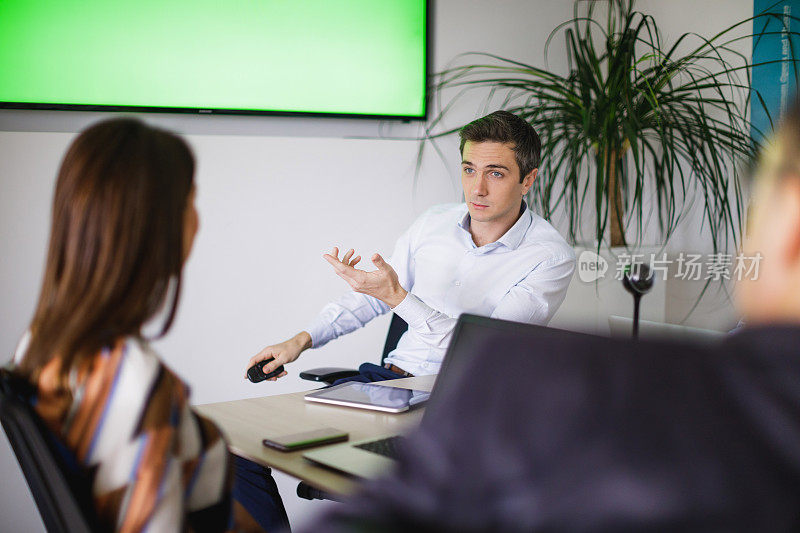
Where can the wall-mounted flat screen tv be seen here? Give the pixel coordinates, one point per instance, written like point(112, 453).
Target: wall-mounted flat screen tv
point(340, 57)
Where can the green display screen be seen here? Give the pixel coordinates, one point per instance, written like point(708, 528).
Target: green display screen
point(353, 57)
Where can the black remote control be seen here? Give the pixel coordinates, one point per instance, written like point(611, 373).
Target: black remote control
point(256, 373)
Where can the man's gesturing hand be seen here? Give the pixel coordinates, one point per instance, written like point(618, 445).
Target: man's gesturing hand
point(382, 284)
point(282, 353)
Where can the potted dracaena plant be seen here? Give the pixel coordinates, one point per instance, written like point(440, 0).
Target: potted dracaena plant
point(633, 123)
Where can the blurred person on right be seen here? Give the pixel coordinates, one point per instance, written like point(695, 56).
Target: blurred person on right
point(581, 433)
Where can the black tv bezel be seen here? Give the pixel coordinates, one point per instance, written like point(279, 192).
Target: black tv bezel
point(252, 112)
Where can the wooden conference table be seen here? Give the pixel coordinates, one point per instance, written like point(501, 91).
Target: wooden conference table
point(246, 422)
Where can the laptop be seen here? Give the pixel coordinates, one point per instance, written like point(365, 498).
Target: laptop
point(371, 457)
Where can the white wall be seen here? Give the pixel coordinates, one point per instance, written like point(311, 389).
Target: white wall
point(274, 194)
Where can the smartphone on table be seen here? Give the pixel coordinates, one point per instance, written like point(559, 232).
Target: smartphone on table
point(306, 439)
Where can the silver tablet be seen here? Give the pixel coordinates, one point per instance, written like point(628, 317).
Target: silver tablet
point(369, 396)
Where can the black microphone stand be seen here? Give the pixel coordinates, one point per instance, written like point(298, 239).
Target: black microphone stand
point(637, 280)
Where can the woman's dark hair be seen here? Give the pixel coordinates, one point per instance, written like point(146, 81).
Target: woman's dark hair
point(116, 240)
point(505, 127)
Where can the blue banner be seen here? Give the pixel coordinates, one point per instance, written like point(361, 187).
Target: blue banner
point(773, 83)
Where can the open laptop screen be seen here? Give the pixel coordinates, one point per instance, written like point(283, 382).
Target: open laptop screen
point(474, 336)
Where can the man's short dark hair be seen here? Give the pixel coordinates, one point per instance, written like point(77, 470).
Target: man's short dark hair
point(505, 127)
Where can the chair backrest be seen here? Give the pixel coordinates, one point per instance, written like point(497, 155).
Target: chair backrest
point(61, 493)
point(397, 327)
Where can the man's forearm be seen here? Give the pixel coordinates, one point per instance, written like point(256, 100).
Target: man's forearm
point(350, 312)
point(303, 340)
point(431, 326)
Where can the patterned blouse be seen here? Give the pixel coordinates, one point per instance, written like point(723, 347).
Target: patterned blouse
point(153, 463)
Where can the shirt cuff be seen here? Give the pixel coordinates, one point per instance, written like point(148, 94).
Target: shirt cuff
point(413, 310)
point(321, 333)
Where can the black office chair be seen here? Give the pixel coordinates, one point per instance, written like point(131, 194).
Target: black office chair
point(328, 375)
point(61, 491)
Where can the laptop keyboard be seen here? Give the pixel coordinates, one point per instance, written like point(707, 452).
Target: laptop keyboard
point(386, 447)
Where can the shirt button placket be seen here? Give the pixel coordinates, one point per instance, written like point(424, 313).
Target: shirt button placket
point(467, 261)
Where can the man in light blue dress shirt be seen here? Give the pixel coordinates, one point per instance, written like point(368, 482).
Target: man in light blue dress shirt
point(488, 256)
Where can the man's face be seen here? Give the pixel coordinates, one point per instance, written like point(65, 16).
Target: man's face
point(491, 181)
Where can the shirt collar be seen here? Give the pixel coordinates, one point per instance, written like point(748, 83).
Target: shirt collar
point(513, 237)
point(463, 222)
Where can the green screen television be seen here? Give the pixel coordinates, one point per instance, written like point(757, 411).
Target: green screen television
point(362, 58)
